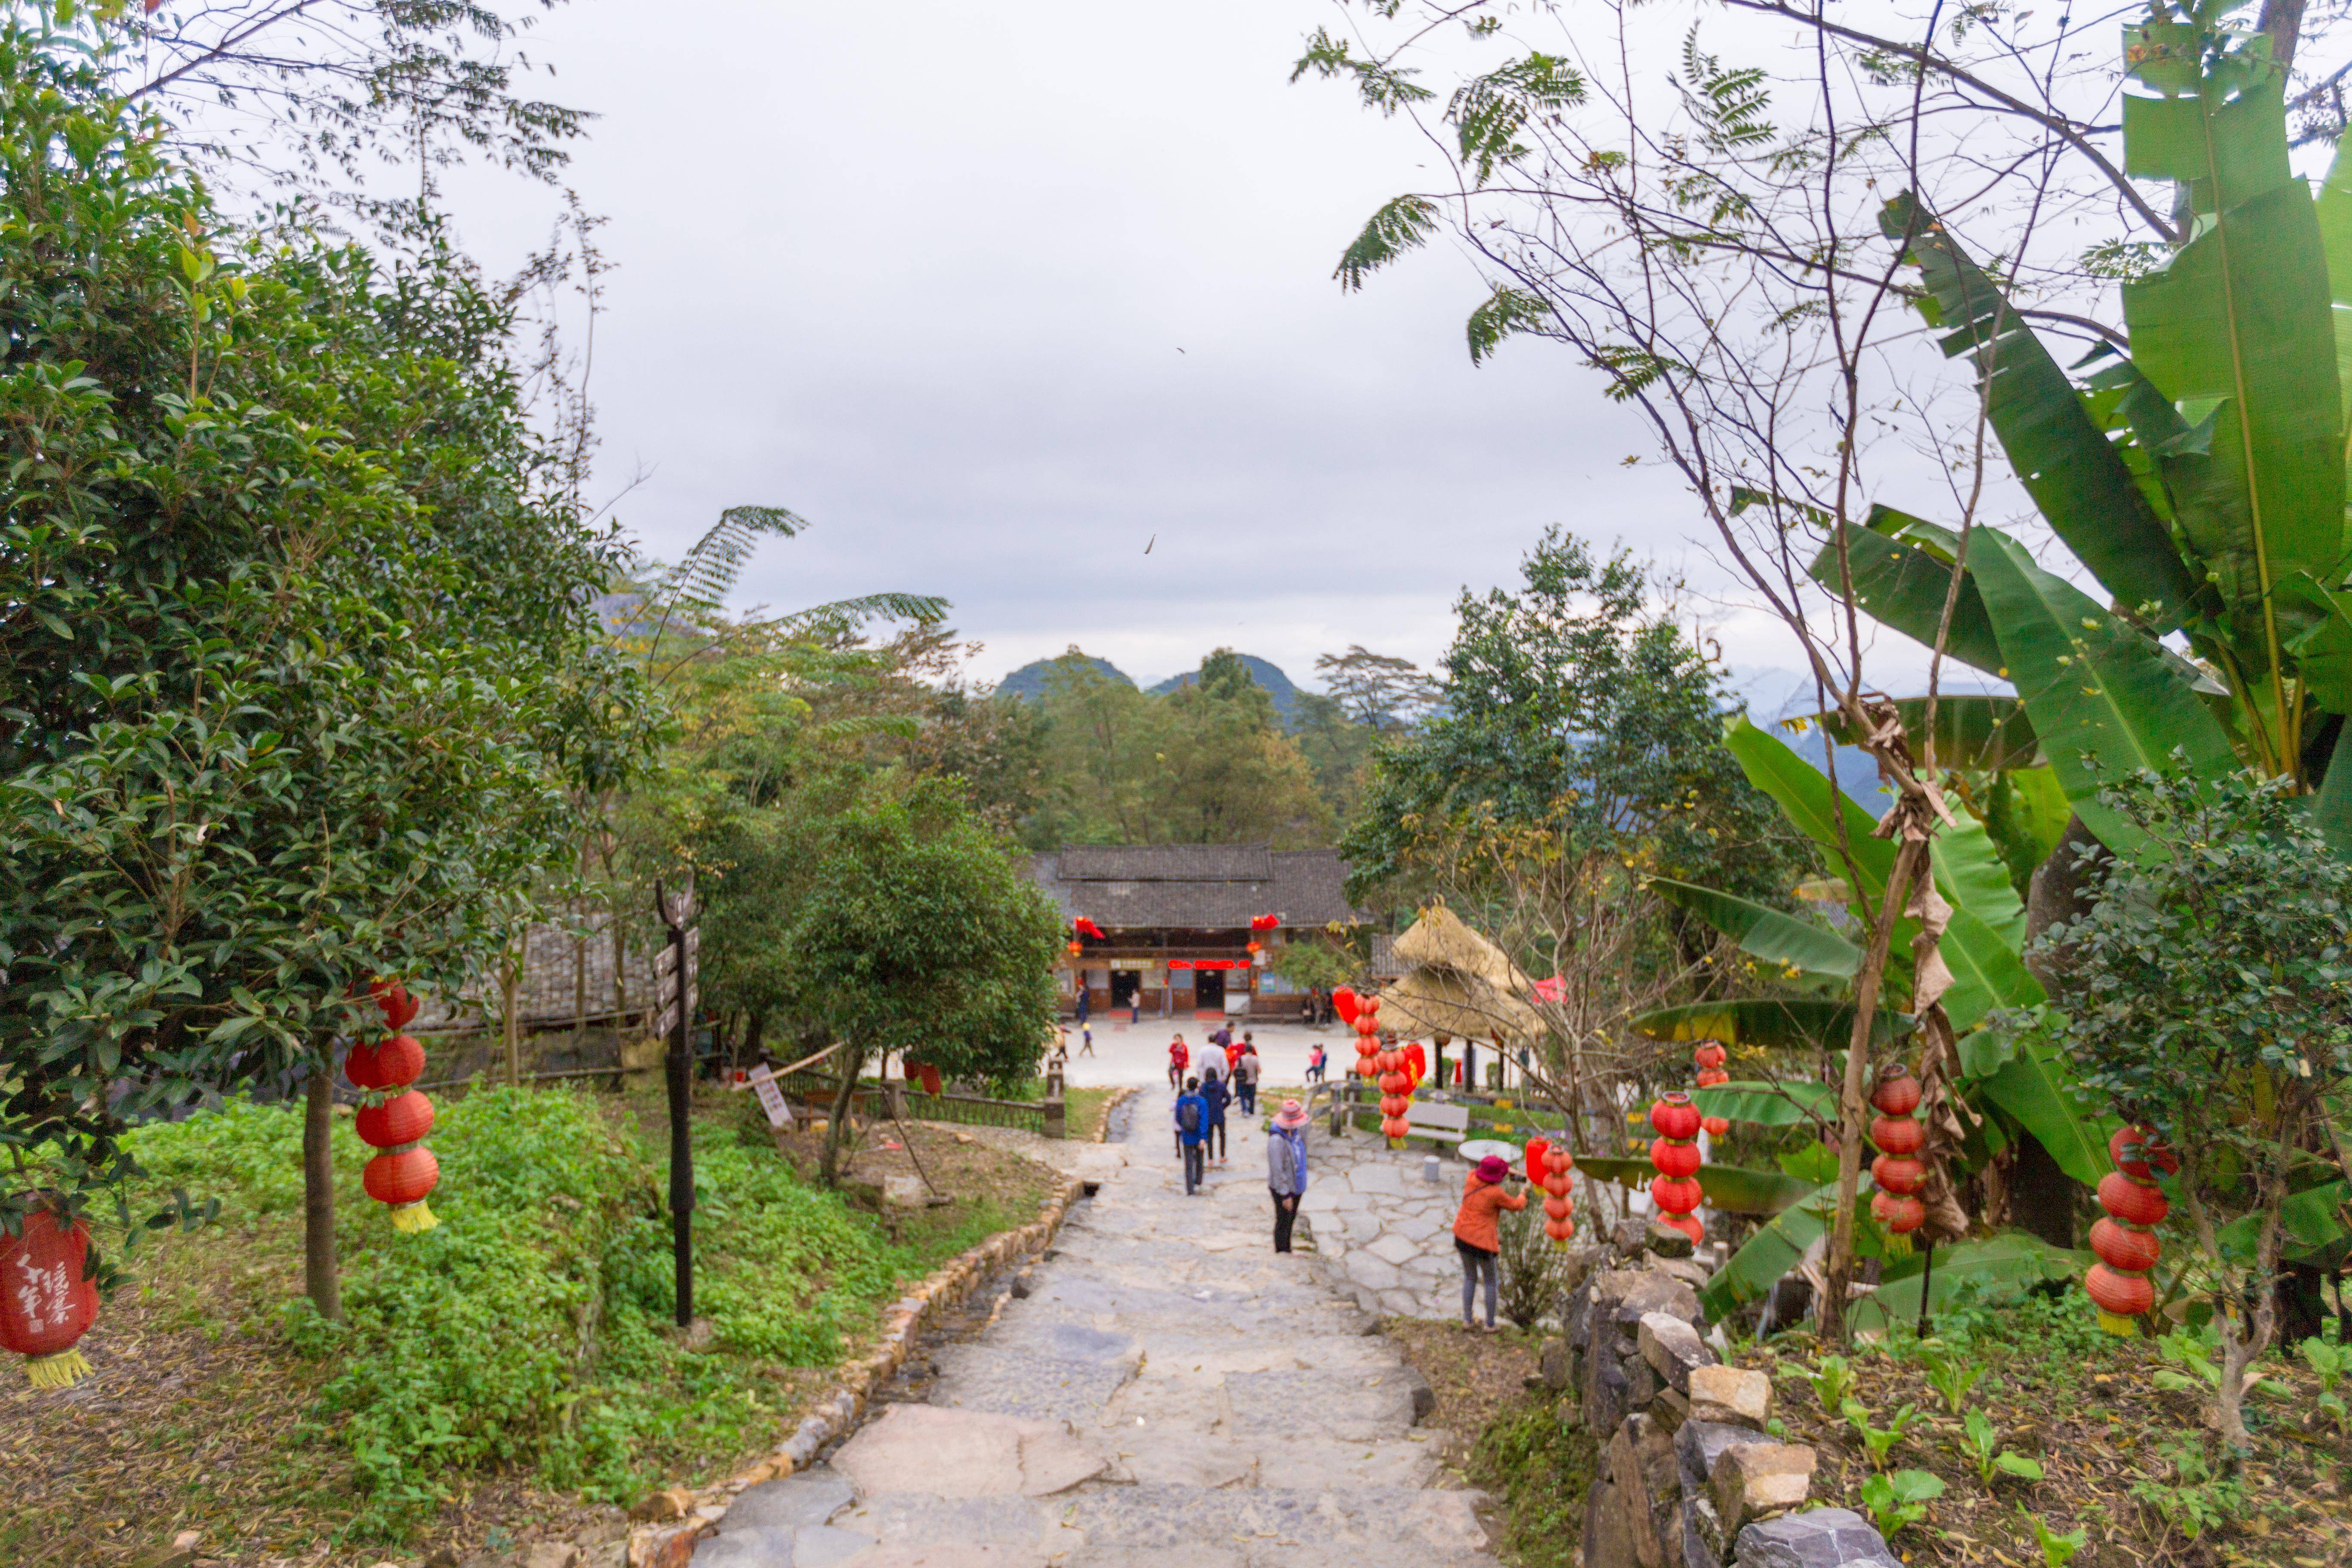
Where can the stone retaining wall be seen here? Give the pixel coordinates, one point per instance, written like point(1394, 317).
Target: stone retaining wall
point(1688, 1476)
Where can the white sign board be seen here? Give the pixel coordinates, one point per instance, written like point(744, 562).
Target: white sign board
point(772, 1099)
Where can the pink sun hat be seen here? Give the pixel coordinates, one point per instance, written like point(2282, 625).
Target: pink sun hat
point(1493, 1168)
point(1292, 1114)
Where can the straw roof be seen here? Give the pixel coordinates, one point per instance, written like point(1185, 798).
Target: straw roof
point(1459, 983)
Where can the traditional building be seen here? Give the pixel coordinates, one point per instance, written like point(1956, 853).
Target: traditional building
point(1175, 919)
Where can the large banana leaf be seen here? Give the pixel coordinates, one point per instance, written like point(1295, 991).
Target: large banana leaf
point(2323, 646)
point(1774, 1248)
point(2096, 686)
point(1810, 800)
point(1786, 1102)
point(2025, 814)
point(1969, 873)
point(1993, 1272)
point(1981, 734)
point(2242, 314)
point(2311, 1224)
point(1734, 1189)
point(1987, 973)
point(2334, 207)
point(1765, 933)
point(2034, 1087)
point(2076, 476)
point(1901, 582)
point(1806, 1021)
point(2332, 808)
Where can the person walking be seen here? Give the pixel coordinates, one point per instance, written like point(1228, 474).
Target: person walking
point(1086, 1042)
point(1315, 1061)
point(1214, 1090)
point(1246, 1073)
point(1285, 1168)
point(1134, 1006)
point(1477, 1237)
point(1086, 999)
point(1180, 1057)
point(1192, 1132)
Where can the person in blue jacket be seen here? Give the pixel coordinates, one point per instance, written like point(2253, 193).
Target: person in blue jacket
point(1218, 1095)
point(1192, 1132)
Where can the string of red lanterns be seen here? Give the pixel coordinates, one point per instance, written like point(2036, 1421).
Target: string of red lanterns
point(1675, 1155)
point(405, 1171)
point(1709, 1058)
point(2118, 1283)
point(1900, 1137)
point(47, 1301)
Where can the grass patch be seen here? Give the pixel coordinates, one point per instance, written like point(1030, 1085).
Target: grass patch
point(1539, 1469)
point(515, 1366)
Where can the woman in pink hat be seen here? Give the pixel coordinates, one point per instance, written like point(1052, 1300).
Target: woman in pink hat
point(1285, 1168)
point(1476, 1234)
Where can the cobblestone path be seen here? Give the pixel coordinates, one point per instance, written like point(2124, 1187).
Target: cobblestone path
point(1168, 1393)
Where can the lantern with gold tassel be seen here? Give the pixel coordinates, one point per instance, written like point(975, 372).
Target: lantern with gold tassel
point(47, 1301)
point(1897, 1170)
point(1559, 1223)
point(397, 1124)
point(2126, 1239)
point(1674, 1156)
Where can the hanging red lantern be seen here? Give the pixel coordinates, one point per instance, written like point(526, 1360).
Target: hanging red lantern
point(1898, 1092)
point(1901, 1135)
point(1077, 948)
point(1559, 1210)
point(1343, 1002)
point(1675, 1191)
point(2126, 1247)
point(1898, 1173)
point(1416, 1062)
point(47, 1301)
point(398, 1123)
point(1900, 1213)
point(1535, 1168)
point(1709, 1056)
point(1898, 1134)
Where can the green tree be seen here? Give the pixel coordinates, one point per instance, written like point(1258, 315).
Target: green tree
point(299, 660)
point(1379, 689)
point(2209, 996)
point(1338, 749)
point(918, 932)
point(1226, 774)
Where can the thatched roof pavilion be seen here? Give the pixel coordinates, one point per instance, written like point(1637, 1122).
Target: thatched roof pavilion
point(1457, 983)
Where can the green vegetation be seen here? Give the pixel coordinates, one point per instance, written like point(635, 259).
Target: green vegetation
point(1539, 1466)
point(532, 1327)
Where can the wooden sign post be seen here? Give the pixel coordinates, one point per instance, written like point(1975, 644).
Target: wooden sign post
point(677, 994)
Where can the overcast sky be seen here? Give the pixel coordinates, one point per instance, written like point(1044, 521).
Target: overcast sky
point(996, 297)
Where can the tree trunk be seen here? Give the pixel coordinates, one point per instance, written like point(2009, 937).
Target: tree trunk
point(510, 993)
point(1853, 1102)
point(2043, 1198)
point(2282, 22)
point(319, 1277)
point(828, 1170)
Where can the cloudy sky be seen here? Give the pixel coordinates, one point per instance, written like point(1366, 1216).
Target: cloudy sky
point(996, 297)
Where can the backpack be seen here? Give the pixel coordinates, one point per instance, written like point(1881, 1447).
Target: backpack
point(1188, 1114)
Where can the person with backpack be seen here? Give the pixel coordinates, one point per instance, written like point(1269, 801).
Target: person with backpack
point(1246, 1073)
point(1285, 1168)
point(1192, 1130)
point(1214, 1090)
point(1477, 1236)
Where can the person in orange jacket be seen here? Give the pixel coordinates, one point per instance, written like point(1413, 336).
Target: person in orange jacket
point(1477, 1237)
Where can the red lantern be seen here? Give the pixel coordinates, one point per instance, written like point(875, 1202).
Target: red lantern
point(2135, 1150)
point(2122, 1297)
point(1677, 1160)
point(404, 1118)
point(1343, 1002)
point(1898, 1173)
point(1898, 1091)
point(402, 1182)
point(399, 1007)
point(1898, 1212)
point(2137, 1203)
point(2121, 1247)
point(47, 1303)
point(1416, 1062)
point(1898, 1134)
point(387, 1064)
point(1077, 948)
point(1676, 1195)
point(1709, 1056)
point(1535, 1168)
point(1674, 1116)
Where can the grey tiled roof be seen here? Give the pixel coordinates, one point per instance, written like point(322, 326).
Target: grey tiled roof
point(1211, 886)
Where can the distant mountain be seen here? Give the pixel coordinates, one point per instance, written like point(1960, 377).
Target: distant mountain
point(1278, 684)
point(1029, 680)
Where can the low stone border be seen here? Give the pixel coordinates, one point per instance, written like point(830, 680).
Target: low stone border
point(689, 1515)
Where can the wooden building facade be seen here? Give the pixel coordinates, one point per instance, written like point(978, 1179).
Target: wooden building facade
point(1176, 918)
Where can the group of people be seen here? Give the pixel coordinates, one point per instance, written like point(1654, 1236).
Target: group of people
point(1487, 1189)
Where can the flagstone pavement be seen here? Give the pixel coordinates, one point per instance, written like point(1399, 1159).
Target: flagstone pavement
point(1167, 1394)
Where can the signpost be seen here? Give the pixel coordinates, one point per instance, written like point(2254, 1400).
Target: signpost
point(677, 993)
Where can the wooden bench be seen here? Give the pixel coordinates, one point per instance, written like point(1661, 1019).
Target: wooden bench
point(1439, 1123)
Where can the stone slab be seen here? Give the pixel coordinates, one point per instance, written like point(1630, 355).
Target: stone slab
point(792, 1502)
point(1819, 1538)
point(964, 1454)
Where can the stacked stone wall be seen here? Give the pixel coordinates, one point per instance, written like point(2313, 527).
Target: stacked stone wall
point(1689, 1476)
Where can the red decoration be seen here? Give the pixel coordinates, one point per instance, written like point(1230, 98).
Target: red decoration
point(1898, 1134)
point(1558, 1209)
point(1709, 1056)
point(1900, 1213)
point(1898, 1091)
point(1256, 947)
point(2127, 1249)
point(46, 1304)
point(1898, 1173)
point(1676, 1160)
point(404, 1118)
point(1535, 1168)
point(1343, 1002)
point(1265, 922)
point(1674, 1116)
point(1085, 927)
point(397, 1122)
point(401, 1179)
point(1416, 1062)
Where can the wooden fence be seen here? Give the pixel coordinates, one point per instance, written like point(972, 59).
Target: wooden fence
point(1047, 1118)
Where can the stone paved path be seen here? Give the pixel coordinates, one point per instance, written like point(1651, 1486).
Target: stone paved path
point(1170, 1393)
